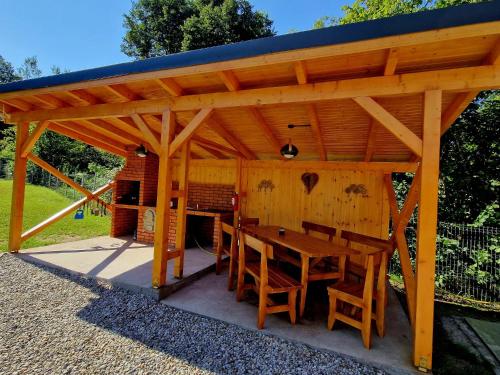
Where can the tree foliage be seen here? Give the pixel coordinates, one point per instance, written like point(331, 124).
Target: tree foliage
point(161, 27)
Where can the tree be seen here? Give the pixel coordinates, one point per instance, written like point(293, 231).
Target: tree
point(161, 27)
point(364, 10)
point(7, 72)
point(224, 22)
point(30, 68)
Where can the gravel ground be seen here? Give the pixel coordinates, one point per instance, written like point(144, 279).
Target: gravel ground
point(52, 322)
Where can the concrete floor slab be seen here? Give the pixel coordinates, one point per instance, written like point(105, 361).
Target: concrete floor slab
point(119, 260)
point(210, 297)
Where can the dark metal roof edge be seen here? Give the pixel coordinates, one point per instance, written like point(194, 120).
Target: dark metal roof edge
point(397, 25)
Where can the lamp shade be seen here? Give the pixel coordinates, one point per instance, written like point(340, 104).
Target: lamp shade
point(141, 151)
point(289, 151)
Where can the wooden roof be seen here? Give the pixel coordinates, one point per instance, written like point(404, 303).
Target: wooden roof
point(362, 95)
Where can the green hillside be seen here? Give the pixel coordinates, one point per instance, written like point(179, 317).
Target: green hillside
point(40, 203)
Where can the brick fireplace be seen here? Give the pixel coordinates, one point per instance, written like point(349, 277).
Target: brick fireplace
point(134, 201)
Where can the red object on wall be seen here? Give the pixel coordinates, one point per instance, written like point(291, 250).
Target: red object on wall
point(235, 201)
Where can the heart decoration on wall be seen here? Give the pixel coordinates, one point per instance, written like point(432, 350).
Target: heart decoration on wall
point(310, 180)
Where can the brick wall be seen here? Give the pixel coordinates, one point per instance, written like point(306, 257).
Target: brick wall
point(145, 170)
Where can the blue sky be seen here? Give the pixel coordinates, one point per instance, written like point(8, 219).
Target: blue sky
point(79, 34)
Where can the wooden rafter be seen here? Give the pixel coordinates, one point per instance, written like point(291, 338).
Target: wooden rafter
point(96, 142)
point(316, 129)
point(189, 130)
point(473, 78)
point(50, 101)
point(147, 132)
point(214, 146)
point(64, 212)
point(266, 129)
point(216, 125)
point(110, 131)
point(123, 92)
point(18, 103)
point(33, 137)
point(84, 97)
point(372, 138)
point(170, 86)
point(302, 79)
point(230, 80)
point(494, 55)
point(300, 72)
point(391, 62)
point(86, 132)
point(391, 123)
point(455, 109)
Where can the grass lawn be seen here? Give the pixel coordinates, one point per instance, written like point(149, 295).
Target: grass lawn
point(39, 204)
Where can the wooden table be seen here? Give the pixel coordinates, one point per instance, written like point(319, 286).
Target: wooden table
point(305, 245)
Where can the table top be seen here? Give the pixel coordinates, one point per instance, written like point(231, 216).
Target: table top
point(302, 243)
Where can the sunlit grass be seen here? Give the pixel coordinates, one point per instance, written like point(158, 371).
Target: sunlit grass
point(40, 203)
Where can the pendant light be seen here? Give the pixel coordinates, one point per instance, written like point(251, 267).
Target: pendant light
point(141, 151)
point(290, 151)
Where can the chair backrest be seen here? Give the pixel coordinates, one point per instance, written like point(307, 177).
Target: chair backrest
point(330, 231)
point(227, 229)
point(249, 221)
point(386, 248)
point(363, 239)
point(265, 250)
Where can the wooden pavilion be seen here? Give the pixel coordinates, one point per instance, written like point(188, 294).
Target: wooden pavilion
point(378, 96)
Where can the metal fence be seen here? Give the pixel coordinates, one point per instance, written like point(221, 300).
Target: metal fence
point(467, 260)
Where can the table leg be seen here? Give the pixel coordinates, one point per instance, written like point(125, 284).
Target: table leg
point(304, 280)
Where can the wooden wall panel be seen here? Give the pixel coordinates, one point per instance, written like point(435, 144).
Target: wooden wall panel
point(329, 203)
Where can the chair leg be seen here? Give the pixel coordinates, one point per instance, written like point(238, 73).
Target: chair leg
point(240, 286)
point(366, 325)
point(333, 311)
point(218, 260)
point(232, 266)
point(292, 305)
point(262, 309)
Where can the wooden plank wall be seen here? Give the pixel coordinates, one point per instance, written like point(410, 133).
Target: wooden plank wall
point(288, 203)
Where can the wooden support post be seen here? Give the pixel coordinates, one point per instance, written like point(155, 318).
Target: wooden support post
point(237, 190)
point(180, 234)
point(33, 137)
point(164, 195)
point(426, 232)
point(18, 187)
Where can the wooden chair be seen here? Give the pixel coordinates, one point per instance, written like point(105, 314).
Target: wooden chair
point(267, 278)
point(361, 293)
point(227, 245)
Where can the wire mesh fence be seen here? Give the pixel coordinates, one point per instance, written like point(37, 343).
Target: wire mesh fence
point(39, 176)
point(467, 260)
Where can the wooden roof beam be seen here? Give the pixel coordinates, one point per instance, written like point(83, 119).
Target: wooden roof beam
point(123, 92)
point(125, 124)
point(391, 123)
point(170, 86)
point(95, 142)
point(33, 137)
point(460, 79)
point(494, 56)
point(230, 80)
point(148, 134)
point(300, 72)
point(18, 103)
point(266, 129)
point(216, 126)
point(455, 109)
point(370, 144)
point(50, 101)
point(107, 129)
point(84, 97)
point(302, 79)
point(190, 129)
point(316, 129)
point(391, 62)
